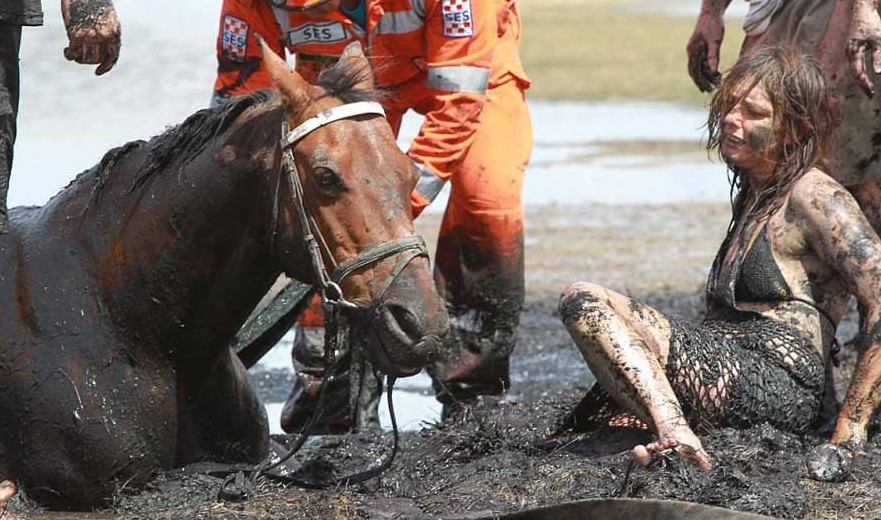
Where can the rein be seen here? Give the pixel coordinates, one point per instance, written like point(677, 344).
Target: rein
point(338, 309)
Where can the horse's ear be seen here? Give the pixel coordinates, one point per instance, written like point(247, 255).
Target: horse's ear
point(294, 89)
point(353, 58)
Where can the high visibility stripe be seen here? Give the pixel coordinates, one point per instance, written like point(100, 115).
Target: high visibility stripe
point(418, 8)
point(429, 184)
point(459, 78)
point(398, 22)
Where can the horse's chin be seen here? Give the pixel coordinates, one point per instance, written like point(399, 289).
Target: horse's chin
point(403, 360)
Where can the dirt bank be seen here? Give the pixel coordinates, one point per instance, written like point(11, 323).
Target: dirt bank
point(497, 459)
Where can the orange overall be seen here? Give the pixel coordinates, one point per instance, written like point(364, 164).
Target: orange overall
point(457, 63)
point(315, 43)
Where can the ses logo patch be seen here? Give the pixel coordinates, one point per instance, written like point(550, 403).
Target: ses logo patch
point(234, 38)
point(328, 32)
point(457, 19)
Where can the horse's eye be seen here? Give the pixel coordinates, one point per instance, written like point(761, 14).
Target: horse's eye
point(327, 178)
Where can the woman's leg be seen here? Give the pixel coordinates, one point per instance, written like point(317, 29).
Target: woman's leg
point(626, 343)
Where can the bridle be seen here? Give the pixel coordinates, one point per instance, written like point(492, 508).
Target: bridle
point(328, 282)
point(337, 307)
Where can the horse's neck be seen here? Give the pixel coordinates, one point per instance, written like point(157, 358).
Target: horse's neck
point(184, 257)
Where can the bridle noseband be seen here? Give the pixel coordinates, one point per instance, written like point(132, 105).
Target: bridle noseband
point(329, 284)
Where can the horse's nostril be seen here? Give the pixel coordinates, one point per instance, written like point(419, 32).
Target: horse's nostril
point(407, 321)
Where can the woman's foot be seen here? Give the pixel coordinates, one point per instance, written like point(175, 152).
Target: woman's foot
point(686, 444)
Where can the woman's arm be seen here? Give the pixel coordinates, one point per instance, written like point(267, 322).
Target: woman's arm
point(839, 233)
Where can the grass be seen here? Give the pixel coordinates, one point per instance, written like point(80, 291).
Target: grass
point(611, 50)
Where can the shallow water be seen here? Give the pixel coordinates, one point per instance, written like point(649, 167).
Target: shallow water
point(615, 153)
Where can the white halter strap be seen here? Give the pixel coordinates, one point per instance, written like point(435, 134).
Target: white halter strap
point(329, 116)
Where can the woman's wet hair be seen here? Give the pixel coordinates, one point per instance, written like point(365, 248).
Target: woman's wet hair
point(804, 120)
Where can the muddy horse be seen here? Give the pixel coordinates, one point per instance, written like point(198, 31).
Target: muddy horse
point(119, 298)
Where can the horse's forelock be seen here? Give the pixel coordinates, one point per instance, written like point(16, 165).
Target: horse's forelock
point(345, 81)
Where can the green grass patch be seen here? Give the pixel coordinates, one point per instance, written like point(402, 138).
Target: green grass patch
point(611, 50)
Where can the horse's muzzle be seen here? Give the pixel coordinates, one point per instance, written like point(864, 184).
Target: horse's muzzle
point(403, 343)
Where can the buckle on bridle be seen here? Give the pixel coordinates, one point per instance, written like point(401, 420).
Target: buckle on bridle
point(332, 294)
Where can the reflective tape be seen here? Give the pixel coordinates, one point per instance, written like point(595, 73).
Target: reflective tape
point(418, 8)
point(398, 22)
point(429, 185)
point(460, 78)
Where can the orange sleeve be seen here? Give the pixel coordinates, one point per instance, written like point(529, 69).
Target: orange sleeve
point(239, 69)
point(459, 39)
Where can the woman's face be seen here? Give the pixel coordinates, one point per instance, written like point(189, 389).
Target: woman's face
point(748, 134)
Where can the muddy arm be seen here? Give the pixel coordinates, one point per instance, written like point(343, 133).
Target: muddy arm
point(864, 35)
point(703, 46)
point(840, 234)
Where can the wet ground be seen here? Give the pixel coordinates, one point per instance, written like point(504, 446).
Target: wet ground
point(498, 458)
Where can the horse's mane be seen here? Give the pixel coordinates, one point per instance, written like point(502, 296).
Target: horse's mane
point(187, 140)
point(182, 143)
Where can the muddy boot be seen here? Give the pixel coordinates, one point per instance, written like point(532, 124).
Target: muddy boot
point(470, 365)
point(351, 401)
point(302, 404)
point(366, 392)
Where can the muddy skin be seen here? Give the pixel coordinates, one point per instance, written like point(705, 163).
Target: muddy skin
point(86, 14)
point(126, 294)
point(94, 33)
point(760, 139)
point(630, 365)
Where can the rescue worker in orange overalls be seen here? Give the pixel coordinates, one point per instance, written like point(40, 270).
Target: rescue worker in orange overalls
point(457, 63)
point(312, 30)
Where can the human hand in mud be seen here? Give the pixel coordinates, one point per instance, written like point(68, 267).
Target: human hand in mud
point(7, 491)
point(829, 462)
point(864, 35)
point(93, 31)
point(703, 51)
point(692, 451)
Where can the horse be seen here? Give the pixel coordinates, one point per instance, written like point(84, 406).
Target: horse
point(119, 298)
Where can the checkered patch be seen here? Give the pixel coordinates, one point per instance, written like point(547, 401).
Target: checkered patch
point(235, 38)
point(458, 22)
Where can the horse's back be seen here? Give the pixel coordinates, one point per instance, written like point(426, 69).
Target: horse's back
point(71, 393)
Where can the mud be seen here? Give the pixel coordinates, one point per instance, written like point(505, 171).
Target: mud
point(500, 459)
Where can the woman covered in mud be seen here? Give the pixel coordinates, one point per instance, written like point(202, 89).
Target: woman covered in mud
point(797, 246)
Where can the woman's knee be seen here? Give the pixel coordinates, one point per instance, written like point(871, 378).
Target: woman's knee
point(584, 302)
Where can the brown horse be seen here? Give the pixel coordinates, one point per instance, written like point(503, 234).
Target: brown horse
point(119, 298)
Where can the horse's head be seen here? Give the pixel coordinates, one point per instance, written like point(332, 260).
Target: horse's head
point(345, 182)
